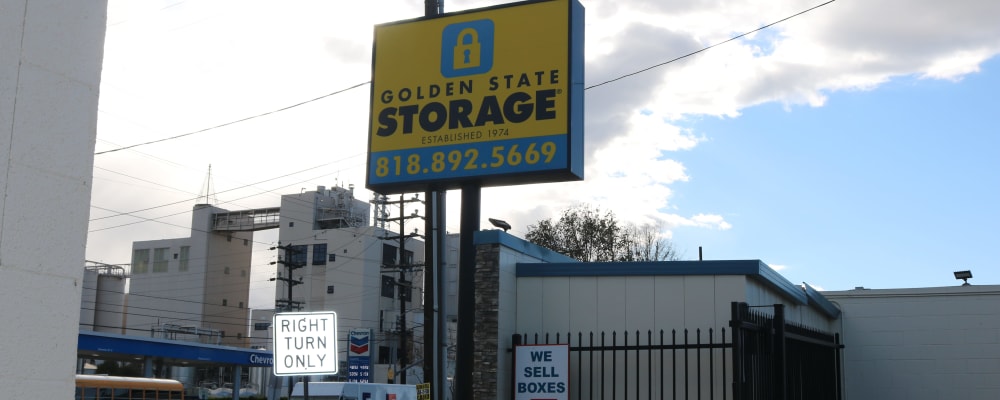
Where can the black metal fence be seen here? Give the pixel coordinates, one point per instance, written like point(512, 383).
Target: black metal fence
point(776, 360)
point(760, 357)
point(645, 365)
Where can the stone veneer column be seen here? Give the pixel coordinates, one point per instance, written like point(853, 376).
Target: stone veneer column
point(486, 335)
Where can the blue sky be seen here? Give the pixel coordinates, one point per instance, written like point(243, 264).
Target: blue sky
point(892, 187)
point(839, 146)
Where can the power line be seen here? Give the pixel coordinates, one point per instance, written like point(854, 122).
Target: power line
point(709, 47)
point(368, 82)
point(227, 190)
point(234, 122)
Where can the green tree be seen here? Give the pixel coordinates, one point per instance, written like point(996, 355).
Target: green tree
point(590, 235)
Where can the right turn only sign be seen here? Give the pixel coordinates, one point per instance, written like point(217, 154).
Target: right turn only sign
point(305, 343)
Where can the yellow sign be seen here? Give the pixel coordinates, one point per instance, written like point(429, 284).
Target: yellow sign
point(423, 391)
point(492, 95)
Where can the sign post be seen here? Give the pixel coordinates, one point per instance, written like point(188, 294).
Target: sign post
point(305, 343)
point(479, 98)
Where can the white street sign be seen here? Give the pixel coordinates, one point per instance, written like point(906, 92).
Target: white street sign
point(305, 343)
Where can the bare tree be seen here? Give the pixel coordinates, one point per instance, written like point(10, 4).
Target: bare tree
point(589, 235)
point(646, 243)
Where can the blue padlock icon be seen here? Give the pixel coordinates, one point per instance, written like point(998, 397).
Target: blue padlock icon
point(467, 48)
point(467, 51)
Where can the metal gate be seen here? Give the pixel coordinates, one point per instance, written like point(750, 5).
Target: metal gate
point(759, 357)
point(773, 359)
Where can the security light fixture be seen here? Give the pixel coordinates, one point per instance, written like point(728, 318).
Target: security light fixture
point(964, 275)
point(500, 224)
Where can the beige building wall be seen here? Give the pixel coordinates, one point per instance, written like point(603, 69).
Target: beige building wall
point(50, 69)
point(202, 282)
point(921, 344)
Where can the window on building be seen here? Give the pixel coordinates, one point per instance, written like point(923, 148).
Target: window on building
point(140, 261)
point(225, 270)
point(243, 273)
point(225, 302)
point(298, 254)
point(329, 289)
point(332, 258)
point(384, 355)
point(246, 242)
point(185, 256)
point(389, 254)
point(160, 259)
point(388, 286)
point(241, 304)
point(319, 254)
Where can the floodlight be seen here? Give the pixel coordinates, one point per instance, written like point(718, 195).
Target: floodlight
point(964, 275)
point(500, 224)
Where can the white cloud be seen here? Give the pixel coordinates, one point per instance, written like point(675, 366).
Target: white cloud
point(179, 69)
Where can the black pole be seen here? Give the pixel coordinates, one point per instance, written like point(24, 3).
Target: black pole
point(441, 235)
point(780, 366)
point(435, 286)
point(434, 275)
point(402, 265)
point(464, 359)
point(430, 294)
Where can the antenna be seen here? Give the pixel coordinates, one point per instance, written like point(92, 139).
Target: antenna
point(208, 190)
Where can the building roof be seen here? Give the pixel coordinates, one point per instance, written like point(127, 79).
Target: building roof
point(556, 264)
point(113, 346)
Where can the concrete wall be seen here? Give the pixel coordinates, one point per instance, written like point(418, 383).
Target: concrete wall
point(921, 344)
point(50, 64)
point(614, 303)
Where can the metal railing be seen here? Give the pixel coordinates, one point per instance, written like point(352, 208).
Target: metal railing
point(656, 365)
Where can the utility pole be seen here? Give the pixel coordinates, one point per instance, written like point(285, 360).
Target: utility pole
point(404, 266)
point(289, 304)
point(290, 265)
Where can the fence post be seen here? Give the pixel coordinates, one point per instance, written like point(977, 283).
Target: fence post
point(737, 337)
point(836, 354)
point(780, 373)
point(515, 340)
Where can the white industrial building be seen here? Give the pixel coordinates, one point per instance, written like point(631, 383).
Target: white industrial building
point(338, 260)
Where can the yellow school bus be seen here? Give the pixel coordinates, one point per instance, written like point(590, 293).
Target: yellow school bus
point(103, 387)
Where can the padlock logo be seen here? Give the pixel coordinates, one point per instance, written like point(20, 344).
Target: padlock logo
point(467, 48)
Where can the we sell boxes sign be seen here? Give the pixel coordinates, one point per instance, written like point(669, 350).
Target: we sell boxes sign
point(541, 372)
